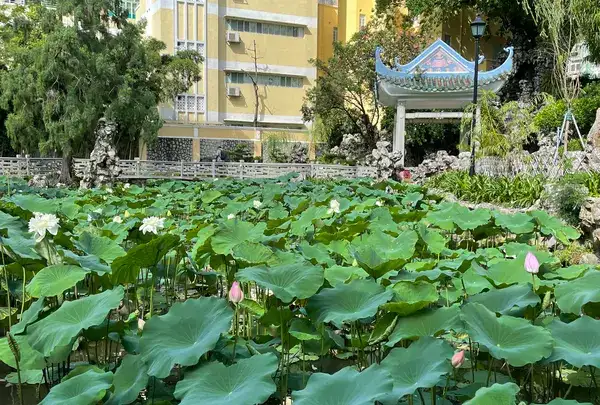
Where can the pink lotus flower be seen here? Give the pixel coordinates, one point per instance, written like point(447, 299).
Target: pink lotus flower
point(458, 359)
point(235, 293)
point(531, 263)
point(405, 175)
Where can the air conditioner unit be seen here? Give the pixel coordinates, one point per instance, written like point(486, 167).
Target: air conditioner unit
point(233, 92)
point(233, 37)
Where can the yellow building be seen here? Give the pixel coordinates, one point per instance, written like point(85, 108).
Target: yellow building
point(262, 39)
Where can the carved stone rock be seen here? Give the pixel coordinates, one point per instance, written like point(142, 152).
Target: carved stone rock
point(103, 166)
point(594, 134)
point(384, 161)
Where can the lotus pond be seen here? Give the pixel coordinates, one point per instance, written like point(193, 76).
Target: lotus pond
point(278, 292)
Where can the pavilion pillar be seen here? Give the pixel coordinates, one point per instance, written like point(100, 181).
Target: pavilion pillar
point(400, 128)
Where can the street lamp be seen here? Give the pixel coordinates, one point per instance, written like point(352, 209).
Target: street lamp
point(477, 29)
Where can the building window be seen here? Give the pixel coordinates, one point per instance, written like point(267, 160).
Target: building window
point(335, 34)
point(265, 28)
point(362, 21)
point(265, 80)
point(130, 6)
point(447, 39)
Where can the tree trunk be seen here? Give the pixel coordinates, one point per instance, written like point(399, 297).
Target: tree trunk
point(66, 169)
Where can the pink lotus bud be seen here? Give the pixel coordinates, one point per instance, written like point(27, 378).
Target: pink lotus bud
point(531, 263)
point(458, 359)
point(405, 175)
point(235, 293)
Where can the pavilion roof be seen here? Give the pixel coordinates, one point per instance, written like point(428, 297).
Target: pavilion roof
point(440, 69)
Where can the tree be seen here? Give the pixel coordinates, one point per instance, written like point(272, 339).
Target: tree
point(69, 66)
point(345, 87)
point(587, 13)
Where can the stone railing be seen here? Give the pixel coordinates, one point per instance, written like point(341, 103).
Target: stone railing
point(151, 169)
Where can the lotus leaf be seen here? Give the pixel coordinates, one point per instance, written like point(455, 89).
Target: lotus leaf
point(497, 394)
point(253, 253)
point(340, 274)
point(248, 382)
point(125, 269)
point(54, 280)
point(572, 296)
point(299, 280)
point(32, 377)
point(233, 233)
point(130, 378)
point(99, 246)
point(421, 365)
point(84, 389)
point(576, 342)
point(560, 401)
point(29, 316)
point(517, 223)
point(410, 297)
point(515, 340)
point(428, 323)
point(348, 302)
point(506, 300)
point(346, 387)
point(184, 334)
point(62, 326)
point(30, 359)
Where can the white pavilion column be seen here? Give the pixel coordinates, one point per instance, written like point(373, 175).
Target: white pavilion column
point(400, 128)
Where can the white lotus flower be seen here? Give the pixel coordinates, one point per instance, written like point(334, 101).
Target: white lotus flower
point(42, 223)
point(152, 225)
point(126, 185)
point(257, 204)
point(109, 190)
point(334, 207)
point(231, 216)
point(117, 219)
point(379, 203)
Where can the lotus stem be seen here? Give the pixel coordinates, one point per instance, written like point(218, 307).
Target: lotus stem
point(6, 281)
point(235, 332)
point(487, 382)
point(14, 348)
point(421, 396)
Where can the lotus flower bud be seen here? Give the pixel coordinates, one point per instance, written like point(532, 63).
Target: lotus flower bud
point(458, 359)
point(235, 293)
point(531, 263)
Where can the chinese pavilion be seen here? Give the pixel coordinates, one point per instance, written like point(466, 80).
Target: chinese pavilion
point(438, 79)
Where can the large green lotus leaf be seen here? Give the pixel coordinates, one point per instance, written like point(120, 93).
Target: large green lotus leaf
point(434, 240)
point(572, 296)
point(233, 233)
point(99, 246)
point(54, 280)
point(550, 225)
point(5, 312)
point(340, 274)
point(517, 223)
point(560, 401)
point(60, 327)
point(125, 269)
point(33, 377)
point(444, 216)
point(428, 323)
point(29, 316)
point(497, 394)
point(473, 282)
point(467, 219)
point(346, 387)
point(421, 365)
point(130, 378)
point(35, 203)
point(317, 252)
point(11, 224)
point(410, 297)
point(576, 342)
point(253, 253)
point(304, 222)
point(22, 245)
point(568, 273)
point(348, 302)
point(302, 329)
point(507, 300)
point(88, 262)
point(84, 389)
point(186, 332)
point(30, 359)
point(515, 340)
point(248, 382)
point(299, 280)
point(509, 271)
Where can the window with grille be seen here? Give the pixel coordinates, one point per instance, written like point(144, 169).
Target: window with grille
point(189, 103)
point(191, 46)
point(362, 21)
point(335, 34)
point(265, 28)
point(265, 79)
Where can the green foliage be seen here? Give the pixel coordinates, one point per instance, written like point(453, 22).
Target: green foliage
point(518, 191)
point(584, 108)
point(504, 128)
point(276, 146)
point(568, 197)
point(65, 70)
point(354, 306)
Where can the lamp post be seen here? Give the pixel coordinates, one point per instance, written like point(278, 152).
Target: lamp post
point(477, 29)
